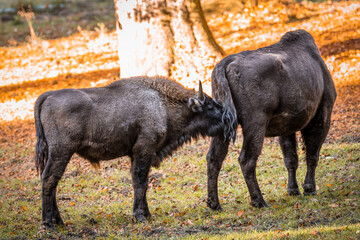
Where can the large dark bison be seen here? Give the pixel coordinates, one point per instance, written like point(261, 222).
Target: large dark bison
point(272, 91)
point(141, 117)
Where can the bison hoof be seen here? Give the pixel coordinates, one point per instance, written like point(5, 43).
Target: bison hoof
point(47, 226)
point(214, 206)
point(310, 193)
point(58, 221)
point(147, 214)
point(309, 190)
point(140, 218)
point(293, 192)
point(259, 204)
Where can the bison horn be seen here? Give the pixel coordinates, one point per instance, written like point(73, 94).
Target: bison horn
point(200, 94)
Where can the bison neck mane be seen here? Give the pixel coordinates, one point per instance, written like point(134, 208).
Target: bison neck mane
point(168, 89)
point(184, 133)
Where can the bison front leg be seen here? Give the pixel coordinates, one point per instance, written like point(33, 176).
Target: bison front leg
point(140, 168)
point(215, 157)
point(288, 147)
point(250, 151)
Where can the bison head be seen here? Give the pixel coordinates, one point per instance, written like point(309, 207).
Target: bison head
point(208, 111)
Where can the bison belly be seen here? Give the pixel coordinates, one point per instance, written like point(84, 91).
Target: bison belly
point(95, 152)
point(108, 142)
point(287, 123)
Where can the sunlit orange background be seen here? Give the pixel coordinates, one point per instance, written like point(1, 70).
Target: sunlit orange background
point(89, 58)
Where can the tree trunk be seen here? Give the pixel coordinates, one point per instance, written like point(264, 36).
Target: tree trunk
point(165, 37)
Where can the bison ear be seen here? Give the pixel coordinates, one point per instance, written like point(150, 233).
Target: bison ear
point(195, 105)
point(200, 94)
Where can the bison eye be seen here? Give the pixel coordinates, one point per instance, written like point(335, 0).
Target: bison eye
point(210, 106)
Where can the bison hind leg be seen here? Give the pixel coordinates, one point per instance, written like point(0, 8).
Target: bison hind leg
point(54, 169)
point(288, 147)
point(56, 218)
point(314, 136)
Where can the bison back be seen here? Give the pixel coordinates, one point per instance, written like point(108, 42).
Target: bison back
point(102, 123)
point(285, 81)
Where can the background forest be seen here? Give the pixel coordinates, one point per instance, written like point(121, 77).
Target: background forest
point(73, 44)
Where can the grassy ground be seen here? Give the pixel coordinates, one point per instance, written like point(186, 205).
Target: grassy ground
point(98, 203)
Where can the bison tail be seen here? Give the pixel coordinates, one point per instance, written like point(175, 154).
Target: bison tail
point(41, 149)
point(221, 92)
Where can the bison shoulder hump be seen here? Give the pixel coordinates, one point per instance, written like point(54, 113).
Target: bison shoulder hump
point(297, 37)
point(167, 88)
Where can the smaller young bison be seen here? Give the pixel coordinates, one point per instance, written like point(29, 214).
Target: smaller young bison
point(141, 117)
